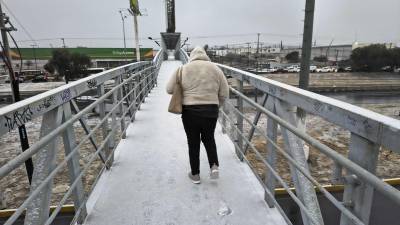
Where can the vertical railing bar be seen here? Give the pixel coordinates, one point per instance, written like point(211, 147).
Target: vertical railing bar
point(315, 182)
point(255, 122)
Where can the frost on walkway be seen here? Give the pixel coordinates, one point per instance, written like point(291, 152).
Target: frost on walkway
point(148, 182)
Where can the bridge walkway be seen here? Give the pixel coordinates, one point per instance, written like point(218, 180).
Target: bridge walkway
point(148, 182)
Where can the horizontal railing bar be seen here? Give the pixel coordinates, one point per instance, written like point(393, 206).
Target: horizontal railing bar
point(76, 182)
point(19, 113)
point(276, 175)
point(130, 106)
point(264, 186)
point(92, 156)
point(35, 192)
point(21, 158)
point(381, 186)
point(375, 127)
point(325, 192)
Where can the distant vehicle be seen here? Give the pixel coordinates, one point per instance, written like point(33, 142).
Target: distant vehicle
point(325, 69)
point(281, 70)
point(29, 74)
point(40, 78)
point(397, 70)
point(20, 79)
point(313, 69)
point(293, 69)
point(348, 69)
point(387, 69)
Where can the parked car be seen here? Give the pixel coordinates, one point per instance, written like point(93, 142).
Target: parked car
point(348, 69)
point(39, 78)
point(325, 69)
point(20, 79)
point(387, 69)
point(293, 69)
point(313, 69)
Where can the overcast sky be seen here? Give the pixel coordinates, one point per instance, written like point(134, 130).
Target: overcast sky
point(97, 23)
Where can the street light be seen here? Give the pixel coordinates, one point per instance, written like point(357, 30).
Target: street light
point(123, 17)
point(34, 54)
point(150, 38)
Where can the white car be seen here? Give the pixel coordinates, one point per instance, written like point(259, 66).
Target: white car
point(293, 69)
point(325, 69)
point(313, 69)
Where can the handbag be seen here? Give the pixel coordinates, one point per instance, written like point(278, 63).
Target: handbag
point(175, 105)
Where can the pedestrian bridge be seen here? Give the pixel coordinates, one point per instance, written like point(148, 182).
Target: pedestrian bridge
point(145, 162)
point(148, 183)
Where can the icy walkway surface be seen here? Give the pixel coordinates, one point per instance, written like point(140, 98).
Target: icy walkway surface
point(148, 183)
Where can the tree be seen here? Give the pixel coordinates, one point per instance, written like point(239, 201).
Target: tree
point(70, 66)
point(79, 64)
point(49, 68)
point(292, 57)
point(371, 58)
point(395, 57)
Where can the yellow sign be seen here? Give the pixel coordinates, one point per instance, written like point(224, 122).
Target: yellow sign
point(135, 6)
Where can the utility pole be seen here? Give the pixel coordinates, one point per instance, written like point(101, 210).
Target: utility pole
point(258, 50)
point(15, 89)
point(123, 17)
point(307, 44)
point(248, 55)
point(34, 55)
point(311, 205)
point(63, 41)
point(135, 21)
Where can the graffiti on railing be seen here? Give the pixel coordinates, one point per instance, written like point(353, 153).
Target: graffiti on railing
point(91, 83)
point(18, 118)
point(47, 103)
point(66, 95)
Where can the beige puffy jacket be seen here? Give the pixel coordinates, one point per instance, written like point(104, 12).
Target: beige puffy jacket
point(202, 81)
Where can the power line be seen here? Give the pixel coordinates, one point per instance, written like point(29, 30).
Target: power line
point(19, 23)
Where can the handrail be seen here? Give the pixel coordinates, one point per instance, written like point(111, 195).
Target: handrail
point(366, 138)
point(131, 84)
point(16, 114)
point(370, 125)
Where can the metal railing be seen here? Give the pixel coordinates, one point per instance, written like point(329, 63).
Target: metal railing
point(369, 132)
point(129, 86)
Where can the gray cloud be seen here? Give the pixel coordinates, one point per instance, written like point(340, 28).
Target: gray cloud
point(81, 20)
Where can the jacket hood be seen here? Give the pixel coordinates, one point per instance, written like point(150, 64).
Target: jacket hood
point(198, 53)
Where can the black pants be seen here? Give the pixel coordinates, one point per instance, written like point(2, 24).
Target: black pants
point(200, 129)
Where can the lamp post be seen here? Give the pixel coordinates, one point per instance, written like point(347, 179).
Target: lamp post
point(34, 54)
point(150, 38)
point(123, 17)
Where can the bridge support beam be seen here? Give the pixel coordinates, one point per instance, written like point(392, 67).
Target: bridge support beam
point(272, 133)
point(295, 148)
point(239, 122)
point(74, 169)
point(45, 161)
point(105, 127)
point(358, 196)
point(171, 44)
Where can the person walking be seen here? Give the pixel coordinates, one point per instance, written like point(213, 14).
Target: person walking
point(205, 89)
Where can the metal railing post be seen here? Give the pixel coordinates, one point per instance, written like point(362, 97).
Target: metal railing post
point(224, 109)
point(118, 81)
point(272, 133)
point(105, 127)
point(131, 87)
point(337, 174)
point(74, 169)
point(358, 195)
point(239, 121)
point(295, 147)
point(38, 209)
